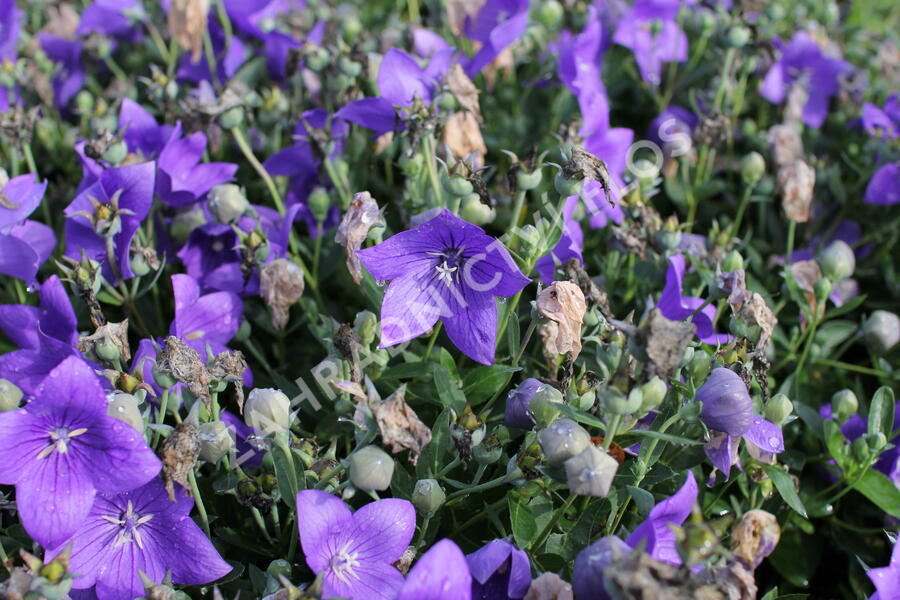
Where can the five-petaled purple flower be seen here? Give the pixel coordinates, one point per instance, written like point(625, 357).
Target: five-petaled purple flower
point(675, 306)
point(354, 552)
point(444, 269)
point(499, 23)
point(140, 530)
point(803, 62)
point(500, 571)
point(211, 319)
point(441, 574)
point(650, 29)
point(728, 410)
point(24, 244)
point(62, 448)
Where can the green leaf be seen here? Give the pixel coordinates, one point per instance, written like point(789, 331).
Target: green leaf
point(513, 335)
point(581, 416)
point(446, 360)
point(845, 308)
point(832, 333)
point(283, 473)
point(785, 486)
point(881, 491)
point(448, 389)
point(408, 370)
point(483, 382)
point(642, 499)
point(881, 411)
point(524, 526)
point(666, 437)
point(836, 442)
point(432, 456)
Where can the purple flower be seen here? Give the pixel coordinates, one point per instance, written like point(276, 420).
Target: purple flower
point(882, 123)
point(212, 319)
point(728, 409)
point(887, 579)
point(675, 306)
point(256, 19)
point(441, 574)
point(354, 551)
point(884, 187)
point(247, 454)
point(70, 77)
point(591, 564)
point(229, 58)
point(400, 79)
point(10, 28)
point(114, 205)
point(140, 530)
point(672, 129)
point(500, 571)
point(518, 405)
point(656, 533)
point(856, 426)
point(116, 18)
point(499, 23)
point(650, 30)
point(46, 335)
point(181, 179)
point(568, 247)
point(24, 245)
point(63, 448)
point(444, 269)
point(802, 60)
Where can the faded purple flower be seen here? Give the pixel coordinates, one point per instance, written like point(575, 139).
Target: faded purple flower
point(140, 530)
point(656, 533)
point(444, 269)
point(728, 410)
point(650, 29)
point(887, 579)
point(441, 574)
point(500, 571)
point(884, 187)
point(675, 306)
point(354, 552)
point(803, 61)
point(62, 448)
point(211, 319)
point(499, 23)
point(112, 207)
point(882, 123)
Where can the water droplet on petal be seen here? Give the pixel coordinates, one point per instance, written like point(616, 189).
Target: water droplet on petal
point(773, 441)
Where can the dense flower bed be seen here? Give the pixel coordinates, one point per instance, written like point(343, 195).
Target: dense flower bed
point(485, 299)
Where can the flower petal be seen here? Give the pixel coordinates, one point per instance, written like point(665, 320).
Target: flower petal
point(369, 582)
point(377, 114)
point(472, 325)
point(765, 435)
point(722, 453)
point(400, 78)
point(400, 254)
point(21, 440)
point(192, 557)
point(70, 393)
point(441, 574)
point(411, 306)
point(382, 530)
point(119, 456)
point(321, 518)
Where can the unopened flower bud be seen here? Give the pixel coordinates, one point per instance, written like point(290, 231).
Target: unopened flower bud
point(615, 402)
point(733, 261)
point(116, 153)
point(371, 468)
point(349, 67)
point(475, 211)
point(881, 331)
point(530, 236)
point(738, 36)
point(700, 365)
point(562, 440)
point(690, 412)
point(591, 472)
point(844, 404)
point(319, 201)
point(183, 223)
point(366, 325)
point(860, 449)
point(215, 441)
point(822, 289)
point(585, 401)
point(545, 404)
point(876, 441)
point(753, 167)
point(488, 451)
point(10, 395)
point(124, 407)
point(268, 411)
point(458, 185)
point(726, 402)
point(231, 118)
point(755, 536)
point(227, 203)
point(566, 187)
point(778, 408)
point(837, 261)
point(428, 496)
point(317, 59)
point(518, 405)
point(528, 180)
point(653, 393)
point(550, 14)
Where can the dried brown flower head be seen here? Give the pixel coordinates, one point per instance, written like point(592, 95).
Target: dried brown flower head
point(187, 24)
point(281, 285)
point(179, 453)
point(755, 536)
point(361, 215)
point(796, 182)
point(562, 303)
point(400, 426)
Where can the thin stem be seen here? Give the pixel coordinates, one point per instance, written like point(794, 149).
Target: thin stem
point(527, 338)
point(827, 362)
point(198, 500)
point(742, 208)
point(161, 415)
point(241, 140)
point(792, 229)
point(434, 335)
point(428, 149)
point(480, 488)
point(542, 536)
point(611, 430)
point(516, 216)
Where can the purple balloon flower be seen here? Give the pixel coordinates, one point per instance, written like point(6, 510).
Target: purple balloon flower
point(354, 551)
point(803, 60)
point(62, 449)
point(856, 426)
point(126, 191)
point(444, 269)
point(140, 530)
point(656, 532)
point(247, 455)
point(256, 19)
point(499, 23)
point(727, 408)
point(181, 178)
point(884, 187)
point(675, 306)
point(500, 571)
point(882, 123)
point(887, 579)
point(116, 18)
point(71, 76)
point(211, 319)
point(672, 129)
point(591, 564)
point(24, 245)
point(10, 28)
point(650, 29)
point(441, 574)
point(518, 405)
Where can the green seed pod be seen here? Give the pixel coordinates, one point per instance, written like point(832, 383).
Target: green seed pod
point(876, 441)
point(753, 167)
point(615, 402)
point(653, 393)
point(227, 203)
point(528, 181)
point(591, 472)
point(447, 102)
point(268, 411)
point(738, 36)
point(562, 440)
point(138, 264)
point(733, 261)
point(881, 331)
point(545, 405)
point(475, 211)
point(215, 441)
point(551, 14)
point(700, 365)
point(366, 326)
point(457, 185)
point(371, 468)
point(231, 118)
point(116, 153)
point(823, 288)
point(566, 187)
point(838, 261)
point(860, 449)
point(319, 201)
point(10, 395)
point(844, 404)
point(428, 496)
point(317, 60)
point(349, 67)
point(124, 407)
point(778, 409)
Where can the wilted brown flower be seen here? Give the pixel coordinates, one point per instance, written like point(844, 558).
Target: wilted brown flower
point(563, 304)
point(666, 342)
point(230, 365)
point(757, 312)
point(462, 134)
point(179, 453)
point(362, 214)
point(185, 365)
point(755, 536)
point(400, 426)
point(584, 165)
point(787, 146)
point(108, 343)
point(187, 24)
point(807, 274)
point(796, 182)
point(549, 586)
point(465, 92)
point(281, 285)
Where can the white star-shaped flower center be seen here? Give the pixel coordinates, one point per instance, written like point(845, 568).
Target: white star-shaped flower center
point(59, 438)
point(445, 272)
point(129, 526)
point(344, 563)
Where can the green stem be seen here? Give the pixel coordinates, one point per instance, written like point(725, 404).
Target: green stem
point(161, 415)
point(742, 208)
point(480, 487)
point(282, 446)
point(198, 500)
point(827, 362)
point(542, 536)
point(434, 335)
point(428, 149)
point(527, 338)
point(241, 140)
point(516, 216)
point(792, 230)
point(720, 93)
point(210, 53)
point(611, 430)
